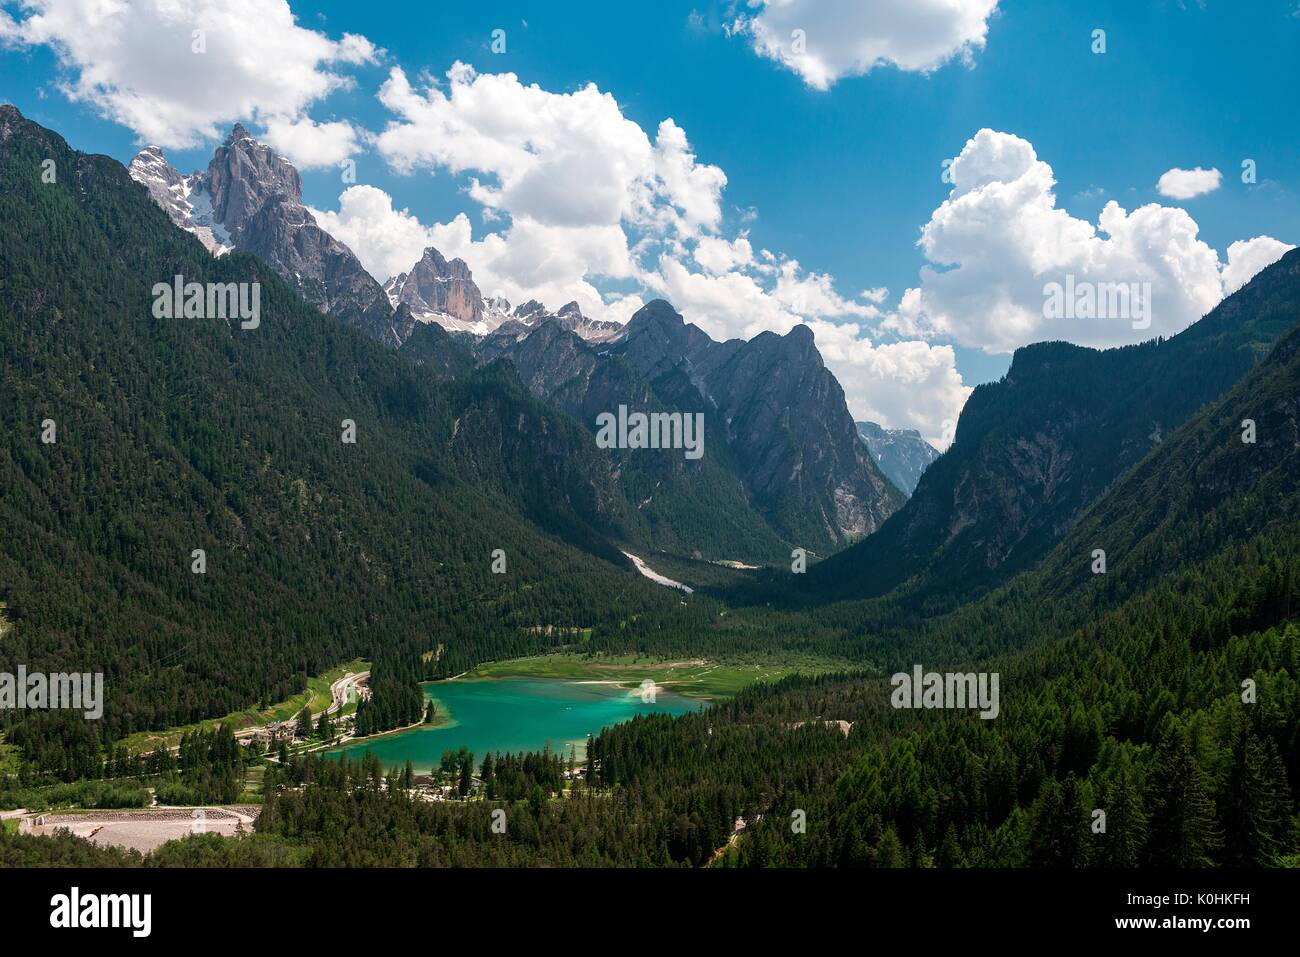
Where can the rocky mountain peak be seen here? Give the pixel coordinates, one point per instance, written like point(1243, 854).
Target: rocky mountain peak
point(658, 313)
point(243, 175)
point(529, 311)
point(442, 291)
point(801, 334)
point(250, 198)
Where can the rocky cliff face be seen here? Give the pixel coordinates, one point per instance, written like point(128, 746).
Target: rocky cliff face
point(249, 198)
point(182, 197)
point(778, 414)
point(901, 453)
point(441, 291)
point(785, 418)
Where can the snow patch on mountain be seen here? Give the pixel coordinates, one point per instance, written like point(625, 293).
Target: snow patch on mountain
point(185, 199)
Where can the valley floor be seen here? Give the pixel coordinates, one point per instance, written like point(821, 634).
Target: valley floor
point(696, 677)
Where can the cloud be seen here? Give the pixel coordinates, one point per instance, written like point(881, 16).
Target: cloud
point(814, 295)
point(692, 191)
point(579, 197)
point(1247, 257)
point(311, 145)
point(999, 244)
point(1186, 183)
point(556, 159)
point(905, 384)
point(139, 64)
point(719, 256)
point(825, 40)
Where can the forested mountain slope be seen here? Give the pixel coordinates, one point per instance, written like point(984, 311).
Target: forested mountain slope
point(1169, 701)
point(173, 435)
point(1034, 449)
point(689, 505)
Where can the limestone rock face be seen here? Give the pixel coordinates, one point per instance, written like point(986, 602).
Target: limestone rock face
point(441, 291)
point(250, 198)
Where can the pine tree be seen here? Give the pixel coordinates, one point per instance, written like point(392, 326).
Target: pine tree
point(1257, 805)
point(1125, 838)
point(1182, 825)
point(466, 772)
point(950, 854)
point(889, 852)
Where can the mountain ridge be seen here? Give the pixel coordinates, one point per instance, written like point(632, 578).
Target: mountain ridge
point(1032, 450)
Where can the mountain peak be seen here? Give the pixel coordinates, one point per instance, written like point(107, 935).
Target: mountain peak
point(529, 310)
point(901, 453)
point(658, 316)
point(442, 291)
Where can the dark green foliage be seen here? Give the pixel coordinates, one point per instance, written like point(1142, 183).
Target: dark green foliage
point(1034, 449)
point(184, 434)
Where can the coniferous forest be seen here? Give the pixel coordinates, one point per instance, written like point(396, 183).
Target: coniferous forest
point(1163, 695)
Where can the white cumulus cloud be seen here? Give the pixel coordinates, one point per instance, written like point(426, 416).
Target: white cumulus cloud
point(998, 245)
point(558, 159)
point(311, 145)
point(1187, 183)
point(1246, 257)
point(824, 40)
point(178, 71)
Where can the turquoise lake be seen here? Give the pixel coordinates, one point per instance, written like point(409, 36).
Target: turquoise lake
point(514, 714)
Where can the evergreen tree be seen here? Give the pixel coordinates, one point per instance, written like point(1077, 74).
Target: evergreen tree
point(1182, 827)
point(1257, 805)
point(1124, 841)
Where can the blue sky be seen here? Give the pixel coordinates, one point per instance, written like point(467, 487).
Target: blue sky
point(841, 180)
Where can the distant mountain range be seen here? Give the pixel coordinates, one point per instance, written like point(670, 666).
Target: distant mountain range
point(901, 453)
point(787, 472)
point(785, 430)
